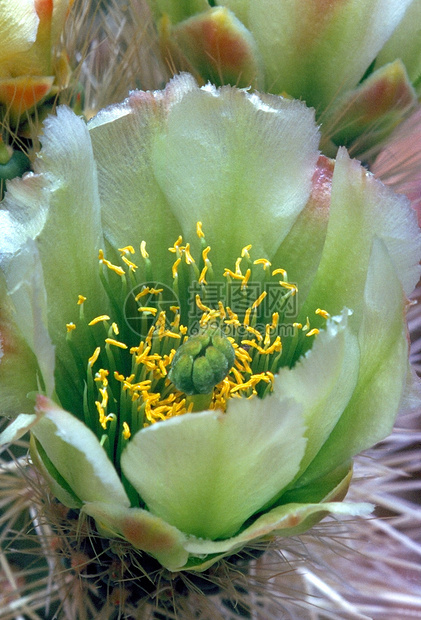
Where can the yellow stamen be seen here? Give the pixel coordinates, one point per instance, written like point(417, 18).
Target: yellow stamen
point(116, 343)
point(118, 270)
point(263, 261)
point(94, 356)
point(174, 268)
point(70, 327)
point(259, 300)
point(176, 245)
point(245, 251)
point(129, 263)
point(126, 431)
point(98, 319)
point(322, 313)
point(149, 309)
point(313, 332)
point(129, 249)
point(143, 250)
point(202, 275)
point(291, 287)
point(281, 271)
point(188, 257)
point(199, 230)
point(80, 300)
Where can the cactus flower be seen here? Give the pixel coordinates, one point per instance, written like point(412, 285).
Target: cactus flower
point(357, 63)
point(29, 70)
point(202, 319)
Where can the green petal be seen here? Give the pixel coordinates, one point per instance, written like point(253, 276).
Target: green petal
point(122, 138)
point(216, 47)
point(300, 252)
point(405, 43)
point(143, 530)
point(315, 49)
point(207, 472)
point(18, 29)
point(368, 114)
point(76, 453)
point(361, 208)
point(383, 373)
point(16, 429)
point(288, 520)
point(18, 365)
point(322, 382)
point(27, 294)
point(221, 161)
point(46, 207)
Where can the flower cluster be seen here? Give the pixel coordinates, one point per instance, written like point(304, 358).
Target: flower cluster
point(209, 314)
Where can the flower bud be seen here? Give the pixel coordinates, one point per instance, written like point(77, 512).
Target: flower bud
point(202, 362)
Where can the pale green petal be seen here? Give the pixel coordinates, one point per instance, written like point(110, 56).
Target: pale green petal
point(361, 208)
point(315, 49)
point(16, 429)
point(143, 530)
point(59, 208)
point(18, 365)
point(405, 43)
point(383, 373)
point(18, 28)
point(322, 382)
point(207, 472)
point(288, 520)
point(76, 453)
point(24, 277)
point(228, 156)
point(58, 486)
point(122, 138)
point(300, 252)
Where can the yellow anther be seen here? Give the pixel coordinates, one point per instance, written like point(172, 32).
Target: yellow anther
point(94, 356)
point(205, 253)
point(80, 300)
point(126, 431)
point(322, 313)
point(129, 263)
point(98, 319)
point(236, 276)
point(297, 325)
point(199, 230)
point(313, 332)
point(202, 275)
point(116, 343)
point(275, 272)
point(115, 329)
point(246, 279)
point(70, 327)
point(188, 257)
point(118, 270)
point(245, 251)
point(275, 319)
point(142, 293)
point(118, 377)
point(290, 287)
point(263, 261)
point(170, 334)
point(175, 267)
point(177, 245)
point(307, 325)
point(259, 300)
point(101, 375)
point(247, 317)
point(149, 309)
point(128, 249)
point(143, 251)
point(201, 305)
point(237, 267)
point(221, 308)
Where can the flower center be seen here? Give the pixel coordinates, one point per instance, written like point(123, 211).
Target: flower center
point(130, 378)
